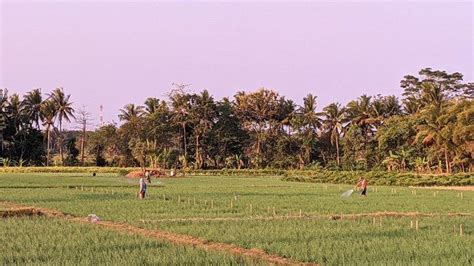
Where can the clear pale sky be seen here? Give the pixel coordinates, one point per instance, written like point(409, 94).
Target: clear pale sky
point(114, 53)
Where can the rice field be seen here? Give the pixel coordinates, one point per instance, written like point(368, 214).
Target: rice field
point(303, 222)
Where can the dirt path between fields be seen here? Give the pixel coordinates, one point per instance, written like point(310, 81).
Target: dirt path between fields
point(310, 217)
point(180, 239)
point(457, 188)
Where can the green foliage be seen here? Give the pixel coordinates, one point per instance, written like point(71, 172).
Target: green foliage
point(428, 130)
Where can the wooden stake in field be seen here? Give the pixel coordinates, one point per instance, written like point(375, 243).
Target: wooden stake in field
point(373, 221)
point(416, 225)
point(461, 229)
point(301, 213)
point(179, 199)
point(212, 204)
point(461, 195)
point(250, 207)
point(411, 224)
point(380, 221)
point(164, 197)
point(231, 204)
point(194, 201)
point(274, 212)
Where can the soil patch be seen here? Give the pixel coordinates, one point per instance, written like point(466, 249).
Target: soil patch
point(20, 212)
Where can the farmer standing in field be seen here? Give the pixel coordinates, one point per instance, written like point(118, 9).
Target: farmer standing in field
point(142, 188)
point(362, 184)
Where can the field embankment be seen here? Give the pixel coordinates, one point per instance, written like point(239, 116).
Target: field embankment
point(383, 178)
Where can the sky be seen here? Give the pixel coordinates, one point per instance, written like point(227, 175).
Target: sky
point(112, 53)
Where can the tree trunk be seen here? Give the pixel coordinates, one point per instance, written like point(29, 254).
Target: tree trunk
point(337, 151)
point(83, 139)
point(446, 158)
point(60, 141)
point(198, 160)
point(48, 141)
point(184, 141)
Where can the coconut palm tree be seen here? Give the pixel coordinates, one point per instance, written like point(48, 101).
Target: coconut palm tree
point(32, 106)
point(309, 121)
point(131, 112)
point(151, 105)
point(48, 113)
point(64, 111)
point(181, 104)
point(334, 123)
point(203, 114)
point(14, 107)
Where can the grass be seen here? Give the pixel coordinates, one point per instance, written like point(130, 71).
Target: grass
point(57, 242)
point(310, 240)
point(344, 242)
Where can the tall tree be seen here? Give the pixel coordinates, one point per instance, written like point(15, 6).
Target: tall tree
point(257, 111)
point(64, 112)
point(308, 121)
point(32, 105)
point(181, 105)
point(334, 123)
point(48, 115)
point(83, 118)
point(203, 115)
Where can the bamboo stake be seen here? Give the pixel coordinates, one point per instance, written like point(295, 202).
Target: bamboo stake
point(231, 204)
point(274, 212)
point(373, 221)
point(301, 213)
point(411, 224)
point(461, 229)
point(416, 225)
point(250, 208)
point(194, 200)
point(179, 199)
point(380, 221)
point(212, 204)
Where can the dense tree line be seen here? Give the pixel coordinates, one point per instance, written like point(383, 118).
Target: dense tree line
point(430, 129)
